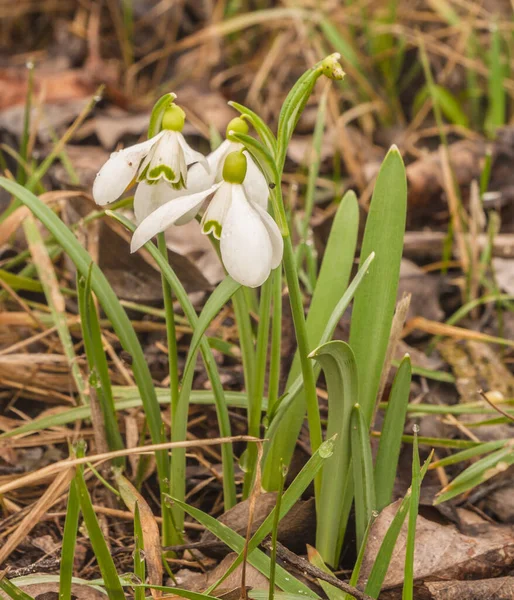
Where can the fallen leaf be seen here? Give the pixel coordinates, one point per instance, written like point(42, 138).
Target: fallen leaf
point(442, 552)
point(500, 588)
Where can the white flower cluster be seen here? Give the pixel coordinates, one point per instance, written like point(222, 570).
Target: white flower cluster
point(168, 193)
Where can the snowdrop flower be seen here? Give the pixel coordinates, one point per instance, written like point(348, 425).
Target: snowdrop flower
point(250, 241)
point(160, 163)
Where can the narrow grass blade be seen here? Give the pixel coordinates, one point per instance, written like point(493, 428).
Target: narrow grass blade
point(257, 558)
point(12, 590)
point(289, 499)
point(331, 297)
point(364, 484)
point(375, 299)
point(100, 548)
point(174, 591)
point(383, 558)
point(99, 369)
point(354, 579)
point(69, 538)
point(54, 299)
point(19, 282)
point(485, 468)
point(408, 573)
point(111, 306)
point(221, 295)
point(391, 437)
point(469, 453)
point(139, 560)
point(338, 362)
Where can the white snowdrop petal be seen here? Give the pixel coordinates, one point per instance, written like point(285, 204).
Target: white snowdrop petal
point(166, 215)
point(214, 216)
point(277, 241)
point(117, 173)
point(245, 245)
point(192, 156)
point(165, 160)
point(255, 184)
point(150, 197)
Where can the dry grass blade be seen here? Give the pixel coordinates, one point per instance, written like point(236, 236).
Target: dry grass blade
point(52, 494)
point(151, 537)
point(45, 472)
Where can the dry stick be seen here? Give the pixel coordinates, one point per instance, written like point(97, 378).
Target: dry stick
point(305, 567)
point(496, 408)
point(36, 476)
point(40, 507)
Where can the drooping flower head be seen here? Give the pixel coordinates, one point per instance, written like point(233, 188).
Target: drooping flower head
point(250, 241)
point(163, 159)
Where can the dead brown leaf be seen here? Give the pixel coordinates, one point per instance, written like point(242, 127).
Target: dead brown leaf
point(500, 588)
point(442, 552)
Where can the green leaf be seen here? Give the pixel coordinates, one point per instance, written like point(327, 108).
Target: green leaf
point(263, 131)
point(221, 295)
point(139, 556)
point(449, 105)
point(338, 362)
point(289, 499)
point(331, 591)
point(497, 97)
point(212, 371)
point(13, 591)
point(100, 378)
point(485, 468)
point(257, 558)
point(375, 299)
point(154, 127)
point(111, 305)
point(408, 573)
point(364, 484)
point(479, 449)
point(100, 548)
point(391, 437)
point(69, 538)
point(383, 557)
point(331, 297)
point(19, 282)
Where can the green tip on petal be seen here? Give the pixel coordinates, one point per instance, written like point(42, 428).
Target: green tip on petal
point(234, 168)
point(174, 118)
point(331, 68)
point(212, 227)
point(237, 125)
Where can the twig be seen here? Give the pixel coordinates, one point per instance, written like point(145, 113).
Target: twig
point(496, 408)
point(305, 567)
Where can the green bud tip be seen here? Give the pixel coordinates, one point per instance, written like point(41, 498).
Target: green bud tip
point(237, 125)
point(331, 68)
point(234, 168)
point(173, 118)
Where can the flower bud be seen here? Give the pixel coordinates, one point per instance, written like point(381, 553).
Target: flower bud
point(237, 125)
point(174, 118)
point(234, 169)
point(331, 68)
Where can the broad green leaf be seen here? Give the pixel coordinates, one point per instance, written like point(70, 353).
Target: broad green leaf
point(257, 558)
point(375, 299)
point(331, 297)
point(263, 131)
point(391, 437)
point(111, 305)
point(338, 363)
point(364, 484)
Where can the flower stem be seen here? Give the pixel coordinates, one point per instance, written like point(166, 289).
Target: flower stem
point(255, 399)
point(276, 338)
point(170, 329)
point(169, 532)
